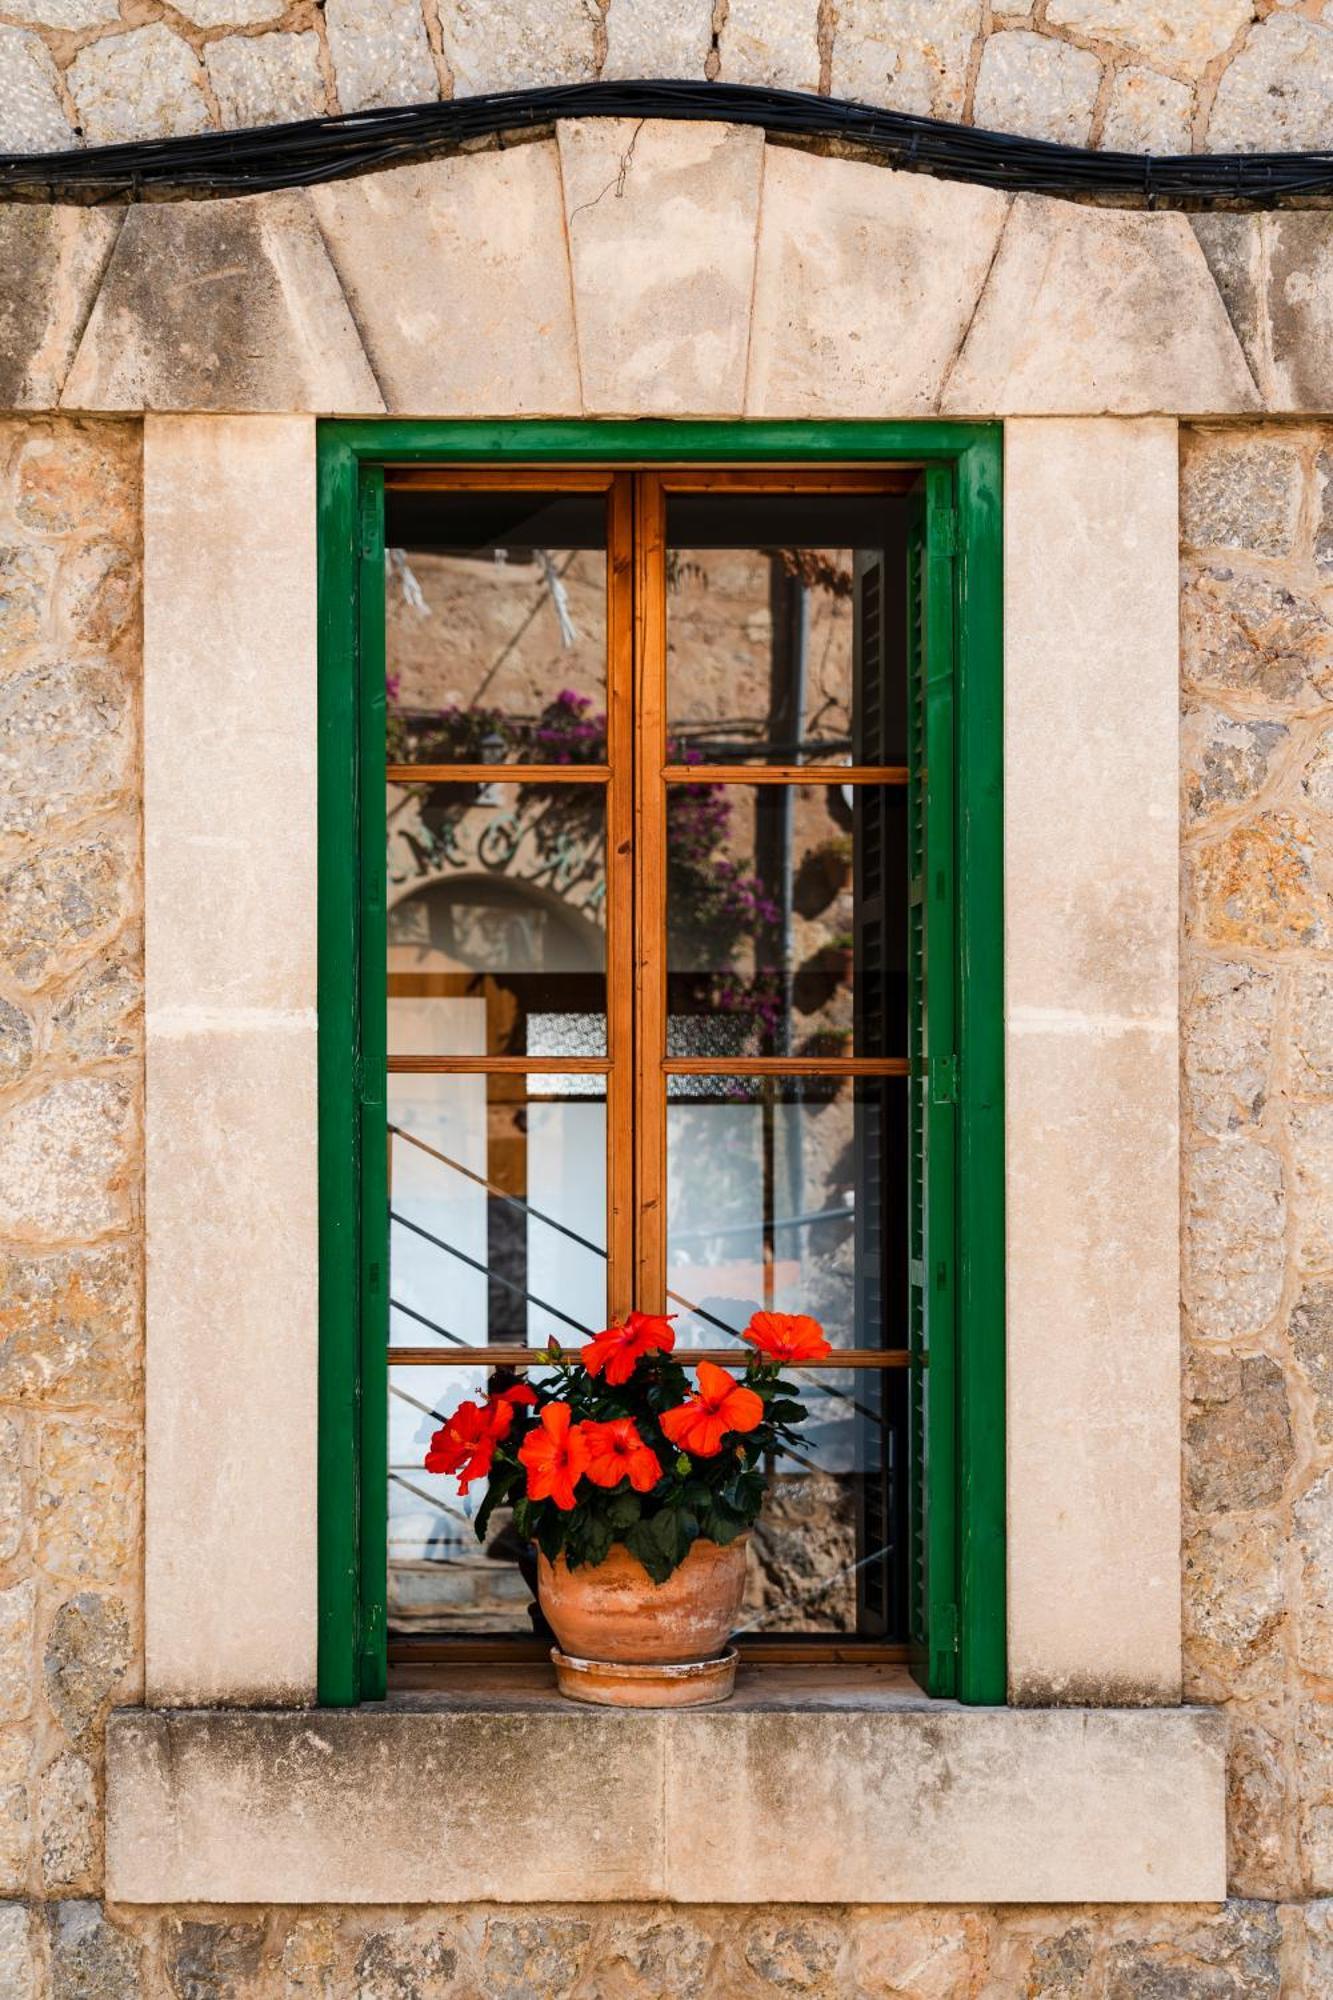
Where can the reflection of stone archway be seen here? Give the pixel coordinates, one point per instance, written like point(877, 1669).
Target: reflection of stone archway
point(484, 922)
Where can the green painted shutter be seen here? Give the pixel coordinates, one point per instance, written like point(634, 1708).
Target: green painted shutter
point(932, 1086)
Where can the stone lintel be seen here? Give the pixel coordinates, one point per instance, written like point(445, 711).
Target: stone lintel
point(904, 1801)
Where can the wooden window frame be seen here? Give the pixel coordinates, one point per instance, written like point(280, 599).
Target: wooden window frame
point(637, 466)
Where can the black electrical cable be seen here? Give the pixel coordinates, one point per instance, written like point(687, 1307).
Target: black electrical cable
point(322, 149)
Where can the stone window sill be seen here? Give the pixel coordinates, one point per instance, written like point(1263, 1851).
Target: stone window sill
point(836, 1785)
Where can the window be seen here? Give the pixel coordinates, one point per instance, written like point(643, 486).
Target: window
point(658, 998)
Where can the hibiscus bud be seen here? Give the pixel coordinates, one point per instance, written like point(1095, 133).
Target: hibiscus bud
point(682, 1463)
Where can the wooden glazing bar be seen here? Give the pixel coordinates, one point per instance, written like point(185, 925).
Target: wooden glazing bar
point(497, 774)
point(786, 1066)
point(785, 774)
point(620, 1089)
point(497, 479)
point(650, 892)
point(537, 1357)
point(499, 1065)
point(735, 479)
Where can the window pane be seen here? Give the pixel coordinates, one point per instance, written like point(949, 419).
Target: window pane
point(786, 920)
point(498, 1212)
point(767, 629)
point(497, 920)
point(784, 1193)
point(496, 627)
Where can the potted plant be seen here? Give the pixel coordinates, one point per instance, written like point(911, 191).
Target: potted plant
point(638, 1488)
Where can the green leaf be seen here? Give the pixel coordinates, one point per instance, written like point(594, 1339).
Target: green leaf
point(624, 1510)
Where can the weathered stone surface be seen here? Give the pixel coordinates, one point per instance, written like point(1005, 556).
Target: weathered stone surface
point(666, 1953)
point(457, 314)
point(88, 1651)
point(419, 1962)
point(1238, 1444)
point(769, 43)
point(1275, 273)
point(1312, 1519)
point(1235, 1219)
point(795, 1954)
point(1311, 1026)
point(1030, 84)
point(12, 1512)
point(18, 1963)
point(15, 1043)
point(97, 595)
point(70, 1828)
point(69, 1327)
point(1226, 760)
point(1317, 777)
point(1234, 1601)
point(913, 58)
point(937, 1954)
point(18, 1606)
point(231, 13)
point(1244, 493)
point(76, 479)
point(87, 1500)
point(100, 1017)
point(1254, 635)
point(65, 13)
point(1234, 1956)
point(1310, 1127)
point(855, 315)
point(1263, 886)
point(53, 258)
point(1147, 113)
point(1090, 310)
point(221, 305)
point(32, 119)
point(1180, 38)
point(314, 1960)
point(1261, 1804)
point(1228, 1046)
point(1277, 94)
point(206, 1961)
point(90, 1959)
point(531, 43)
point(16, 1832)
point(65, 1165)
point(381, 54)
point(525, 1957)
point(25, 594)
point(147, 84)
point(678, 205)
point(266, 79)
point(66, 743)
point(657, 38)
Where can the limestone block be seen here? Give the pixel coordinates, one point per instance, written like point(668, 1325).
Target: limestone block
point(528, 44)
point(231, 13)
point(1235, 1606)
point(12, 1512)
point(147, 84)
point(65, 1167)
point(1234, 1238)
point(87, 1653)
point(61, 905)
point(1265, 885)
point(381, 54)
point(70, 1827)
point(984, 1805)
point(214, 1959)
point(647, 38)
point(856, 315)
point(1031, 84)
point(15, 1823)
point(1312, 1519)
point(88, 1500)
point(1225, 761)
point(18, 1606)
point(97, 595)
point(18, 1960)
point(221, 305)
point(89, 1956)
point(1312, 1027)
point(771, 43)
point(1277, 94)
point(1147, 113)
point(1310, 1330)
point(1251, 634)
point(458, 275)
point(912, 57)
point(1180, 38)
point(100, 1017)
point(1238, 1445)
point(1311, 1130)
point(69, 1327)
point(77, 479)
point(25, 595)
point(1240, 492)
point(266, 79)
point(662, 220)
point(66, 743)
point(1090, 310)
point(32, 119)
point(16, 1039)
point(53, 259)
point(1275, 274)
point(1227, 1025)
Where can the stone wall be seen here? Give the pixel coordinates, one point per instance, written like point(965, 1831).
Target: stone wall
point(1134, 75)
point(1257, 623)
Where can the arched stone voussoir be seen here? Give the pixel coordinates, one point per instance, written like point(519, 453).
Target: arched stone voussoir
point(458, 274)
point(228, 305)
point(662, 218)
point(1098, 312)
point(52, 261)
point(866, 284)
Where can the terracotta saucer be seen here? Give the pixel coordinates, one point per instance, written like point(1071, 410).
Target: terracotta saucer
point(612, 1685)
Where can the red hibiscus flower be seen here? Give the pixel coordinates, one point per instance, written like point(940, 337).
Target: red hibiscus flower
point(787, 1336)
point(555, 1455)
point(518, 1393)
point(620, 1347)
point(465, 1445)
point(720, 1404)
point(616, 1452)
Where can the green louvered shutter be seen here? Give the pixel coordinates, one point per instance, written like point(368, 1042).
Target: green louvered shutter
point(932, 1086)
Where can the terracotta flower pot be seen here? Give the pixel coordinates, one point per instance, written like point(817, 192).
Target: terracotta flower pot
point(613, 1611)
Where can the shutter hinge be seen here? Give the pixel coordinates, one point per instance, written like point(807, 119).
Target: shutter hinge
point(370, 520)
point(944, 1079)
point(948, 530)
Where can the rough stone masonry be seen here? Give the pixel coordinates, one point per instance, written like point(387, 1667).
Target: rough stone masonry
point(1257, 820)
